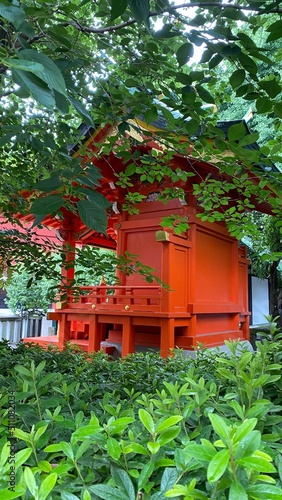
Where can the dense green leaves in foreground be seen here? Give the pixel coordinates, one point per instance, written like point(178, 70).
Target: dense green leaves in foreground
point(106, 62)
point(143, 427)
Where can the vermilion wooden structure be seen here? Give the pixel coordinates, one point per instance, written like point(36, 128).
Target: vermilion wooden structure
point(206, 269)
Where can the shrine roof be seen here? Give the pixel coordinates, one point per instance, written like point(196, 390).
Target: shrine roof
point(86, 132)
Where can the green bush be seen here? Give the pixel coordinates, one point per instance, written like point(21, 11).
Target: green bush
point(143, 427)
point(27, 295)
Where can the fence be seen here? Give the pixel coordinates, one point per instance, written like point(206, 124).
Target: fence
point(13, 328)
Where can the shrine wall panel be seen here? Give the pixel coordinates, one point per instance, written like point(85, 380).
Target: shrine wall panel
point(149, 253)
point(213, 323)
point(180, 278)
point(214, 268)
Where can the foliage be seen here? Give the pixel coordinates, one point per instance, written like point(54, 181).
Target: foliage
point(108, 62)
point(25, 249)
point(28, 296)
point(266, 247)
point(142, 427)
point(93, 264)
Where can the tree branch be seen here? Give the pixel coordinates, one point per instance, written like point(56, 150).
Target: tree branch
point(171, 10)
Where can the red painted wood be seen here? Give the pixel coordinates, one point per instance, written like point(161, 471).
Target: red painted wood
point(205, 269)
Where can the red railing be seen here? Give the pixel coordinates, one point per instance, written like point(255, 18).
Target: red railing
point(119, 298)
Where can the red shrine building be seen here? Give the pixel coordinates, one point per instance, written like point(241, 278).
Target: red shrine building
point(206, 270)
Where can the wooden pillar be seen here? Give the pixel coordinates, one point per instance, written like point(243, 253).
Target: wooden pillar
point(69, 228)
point(95, 334)
point(121, 247)
point(166, 274)
point(63, 331)
point(128, 337)
point(167, 337)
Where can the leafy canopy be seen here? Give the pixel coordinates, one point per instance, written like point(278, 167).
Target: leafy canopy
point(64, 62)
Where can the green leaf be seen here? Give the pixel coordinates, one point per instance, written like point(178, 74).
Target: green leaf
point(40, 431)
point(204, 94)
point(236, 132)
point(82, 449)
point(117, 8)
point(67, 495)
point(130, 169)
point(184, 53)
point(123, 482)
point(166, 32)
point(151, 114)
point(61, 102)
point(51, 74)
point(45, 466)
point(23, 371)
point(13, 14)
point(218, 466)
point(215, 61)
point(263, 491)
point(53, 448)
point(36, 87)
point(30, 481)
point(244, 429)
point(114, 448)
point(271, 87)
point(119, 425)
point(145, 475)
point(24, 436)
point(147, 420)
point(168, 422)
point(86, 495)
point(189, 95)
point(86, 432)
point(233, 14)
point(108, 492)
point(169, 478)
point(67, 449)
point(22, 456)
point(5, 453)
point(256, 463)
point(46, 486)
point(24, 65)
point(153, 447)
point(249, 139)
point(140, 10)
point(248, 63)
point(135, 448)
point(248, 445)
point(219, 425)
point(231, 50)
point(192, 126)
point(278, 109)
point(168, 435)
point(183, 78)
point(263, 105)
point(200, 452)
point(96, 198)
point(82, 111)
point(7, 494)
point(275, 30)
point(39, 369)
point(46, 379)
point(46, 205)
point(237, 492)
point(237, 78)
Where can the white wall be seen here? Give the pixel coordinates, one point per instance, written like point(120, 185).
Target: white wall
point(260, 300)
